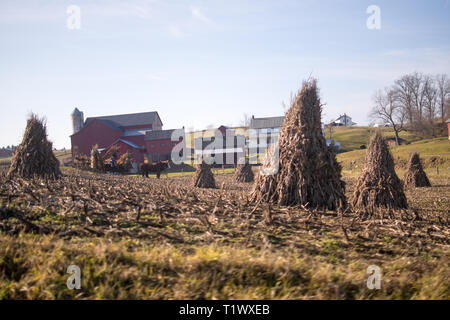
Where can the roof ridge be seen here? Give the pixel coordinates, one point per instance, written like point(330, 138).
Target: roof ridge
point(129, 119)
point(120, 115)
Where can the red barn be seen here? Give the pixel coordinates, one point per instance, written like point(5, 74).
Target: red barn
point(137, 152)
point(159, 144)
point(127, 131)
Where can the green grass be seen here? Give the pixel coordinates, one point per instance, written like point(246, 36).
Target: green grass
point(429, 147)
point(35, 268)
point(434, 153)
point(351, 138)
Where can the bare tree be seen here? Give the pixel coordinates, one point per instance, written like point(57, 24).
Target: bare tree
point(430, 95)
point(387, 109)
point(423, 98)
point(443, 93)
point(417, 84)
point(405, 96)
point(410, 89)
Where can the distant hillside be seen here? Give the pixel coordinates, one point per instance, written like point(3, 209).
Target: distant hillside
point(5, 153)
point(434, 153)
point(62, 155)
point(351, 138)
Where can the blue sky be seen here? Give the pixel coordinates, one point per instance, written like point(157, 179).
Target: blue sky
point(201, 63)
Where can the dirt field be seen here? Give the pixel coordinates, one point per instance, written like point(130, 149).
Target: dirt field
point(136, 238)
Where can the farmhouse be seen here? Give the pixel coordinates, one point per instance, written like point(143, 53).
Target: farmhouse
point(269, 125)
point(227, 151)
point(139, 133)
point(343, 120)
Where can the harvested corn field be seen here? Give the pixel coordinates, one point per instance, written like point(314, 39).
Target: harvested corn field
point(136, 238)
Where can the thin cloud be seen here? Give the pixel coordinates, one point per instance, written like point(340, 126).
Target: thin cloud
point(199, 15)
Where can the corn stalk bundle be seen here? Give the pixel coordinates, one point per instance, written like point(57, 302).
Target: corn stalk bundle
point(414, 175)
point(109, 153)
point(97, 163)
point(244, 173)
point(124, 161)
point(34, 156)
point(82, 162)
point(378, 185)
point(308, 173)
point(204, 177)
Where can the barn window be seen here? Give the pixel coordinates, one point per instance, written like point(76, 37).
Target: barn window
point(152, 145)
point(163, 144)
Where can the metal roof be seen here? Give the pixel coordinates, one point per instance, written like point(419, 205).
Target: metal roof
point(109, 123)
point(131, 119)
point(269, 122)
point(131, 144)
point(137, 132)
point(159, 135)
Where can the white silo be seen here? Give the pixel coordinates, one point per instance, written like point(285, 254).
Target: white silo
point(77, 120)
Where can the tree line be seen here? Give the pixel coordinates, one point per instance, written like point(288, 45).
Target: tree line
point(7, 151)
point(415, 102)
point(11, 148)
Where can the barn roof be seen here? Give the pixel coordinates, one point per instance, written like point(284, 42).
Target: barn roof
point(130, 119)
point(159, 135)
point(269, 122)
point(131, 144)
point(109, 123)
point(137, 132)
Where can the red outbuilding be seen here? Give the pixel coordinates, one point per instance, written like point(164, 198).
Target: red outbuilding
point(124, 146)
point(127, 131)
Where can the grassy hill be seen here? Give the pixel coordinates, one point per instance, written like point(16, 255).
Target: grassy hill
point(61, 155)
point(351, 138)
point(434, 153)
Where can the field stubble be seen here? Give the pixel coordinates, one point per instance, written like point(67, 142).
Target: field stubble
point(136, 238)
